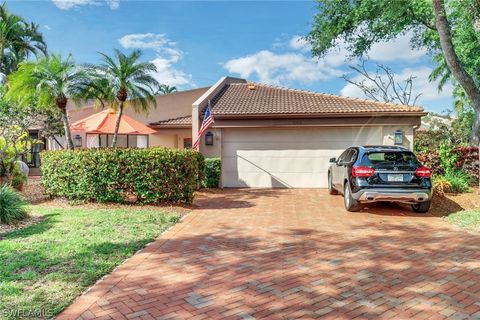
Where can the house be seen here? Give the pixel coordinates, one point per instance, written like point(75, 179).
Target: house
point(273, 137)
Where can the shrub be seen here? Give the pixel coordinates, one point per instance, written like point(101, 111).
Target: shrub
point(431, 160)
point(213, 171)
point(441, 186)
point(447, 156)
point(12, 205)
point(459, 181)
point(123, 175)
point(468, 161)
point(18, 178)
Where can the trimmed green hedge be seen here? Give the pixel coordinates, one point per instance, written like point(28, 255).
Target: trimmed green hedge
point(151, 175)
point(213, 171)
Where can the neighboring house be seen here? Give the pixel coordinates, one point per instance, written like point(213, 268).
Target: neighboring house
point(433, 121)
point(274, 137)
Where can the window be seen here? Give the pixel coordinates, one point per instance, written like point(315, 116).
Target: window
point(388, 159)
point(187, 143)
point(343, 156)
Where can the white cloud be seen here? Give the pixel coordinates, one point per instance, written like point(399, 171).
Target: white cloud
point(421, 84)
point(395, 50)
point(167, 74)
point(281, 69)
point(144, 40)
point(299, 43)
point(294, 64)
point(47, 27)
point(167, 56)
point(71, 4)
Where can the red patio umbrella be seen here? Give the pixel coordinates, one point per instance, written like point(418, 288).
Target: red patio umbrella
point(104, 123)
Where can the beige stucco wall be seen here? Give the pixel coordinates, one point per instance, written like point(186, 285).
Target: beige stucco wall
point(170, 138)
point(214, 151)
point(408, 135)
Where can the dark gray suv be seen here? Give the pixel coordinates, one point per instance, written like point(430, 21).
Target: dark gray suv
point(366, 174)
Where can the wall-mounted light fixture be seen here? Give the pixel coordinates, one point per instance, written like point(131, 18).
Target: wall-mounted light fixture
point(209, 139)
point(78, 141)
point(398, 137)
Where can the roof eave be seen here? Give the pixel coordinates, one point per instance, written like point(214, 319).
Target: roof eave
point(320, 115)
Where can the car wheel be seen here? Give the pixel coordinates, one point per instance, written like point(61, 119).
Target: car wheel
point(351, 204)
point(421, 207)
point(331, 189)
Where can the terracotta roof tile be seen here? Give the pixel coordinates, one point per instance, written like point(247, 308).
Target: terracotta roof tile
point(185, 121)
point(241, 99)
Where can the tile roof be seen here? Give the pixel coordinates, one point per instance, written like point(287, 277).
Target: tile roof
point(239, 99)
point(185, 121)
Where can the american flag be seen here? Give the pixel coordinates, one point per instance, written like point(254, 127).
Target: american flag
point(207, 122)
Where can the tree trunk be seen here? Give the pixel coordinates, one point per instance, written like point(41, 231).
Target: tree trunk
point(117, 125)
point(455, 66)
point(66, 128)
point(62, 105)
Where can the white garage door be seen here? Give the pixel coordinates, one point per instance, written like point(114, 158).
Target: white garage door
point(286, 158)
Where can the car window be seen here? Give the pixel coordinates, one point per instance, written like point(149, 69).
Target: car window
point(390, 158)
point(342, 156)
point(353, 155)
point(348, 156)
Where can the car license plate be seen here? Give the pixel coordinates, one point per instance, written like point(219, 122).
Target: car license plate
point(395, 177)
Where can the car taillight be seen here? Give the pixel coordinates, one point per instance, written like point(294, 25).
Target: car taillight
point(362, 172)
point(423, 172)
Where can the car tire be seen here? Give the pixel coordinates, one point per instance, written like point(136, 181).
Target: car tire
point(351, 204)
point(331, 189)
point(421, 207)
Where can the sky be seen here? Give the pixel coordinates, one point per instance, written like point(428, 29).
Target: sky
point(194, 43)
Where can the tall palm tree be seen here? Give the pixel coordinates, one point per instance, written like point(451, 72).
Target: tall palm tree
point(126, 81)
point(50, 81)
point(166, 89)
point(18, 39)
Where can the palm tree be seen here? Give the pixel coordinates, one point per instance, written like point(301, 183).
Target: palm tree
point(50, 81)
point(166, 89)
point(18, 39)
point(126, 81)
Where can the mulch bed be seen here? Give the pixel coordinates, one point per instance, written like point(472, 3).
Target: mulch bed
point(450, 203)
point(33, 191)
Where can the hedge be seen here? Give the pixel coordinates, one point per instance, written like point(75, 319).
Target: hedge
point(213, 171)
point(152, 175)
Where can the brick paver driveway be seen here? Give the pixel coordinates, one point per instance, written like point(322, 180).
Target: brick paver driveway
point(294, 254)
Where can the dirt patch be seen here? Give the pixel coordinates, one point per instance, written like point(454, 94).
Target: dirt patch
point(450, 203)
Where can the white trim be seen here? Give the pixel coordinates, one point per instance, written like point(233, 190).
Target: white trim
point(203, 100)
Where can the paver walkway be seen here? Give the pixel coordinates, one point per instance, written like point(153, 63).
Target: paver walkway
point(294, 254)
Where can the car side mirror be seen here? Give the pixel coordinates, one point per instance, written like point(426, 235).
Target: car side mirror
point(333, 160)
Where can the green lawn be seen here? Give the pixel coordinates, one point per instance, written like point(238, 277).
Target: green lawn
point(469, 219)
point(44, 267)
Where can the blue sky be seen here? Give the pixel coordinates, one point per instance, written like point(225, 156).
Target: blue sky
point(194, 43)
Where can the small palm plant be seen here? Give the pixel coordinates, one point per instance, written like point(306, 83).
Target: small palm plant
point(123, 80)
point(166, 89)
point(12, 205)
point(49, 82)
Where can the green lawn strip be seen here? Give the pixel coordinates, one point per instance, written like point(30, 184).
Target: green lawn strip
point(469, 219)
point(45, 266)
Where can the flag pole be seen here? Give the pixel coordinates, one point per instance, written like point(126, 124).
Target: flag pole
point(213, 119)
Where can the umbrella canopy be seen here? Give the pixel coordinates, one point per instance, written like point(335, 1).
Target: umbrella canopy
point(104, 123)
